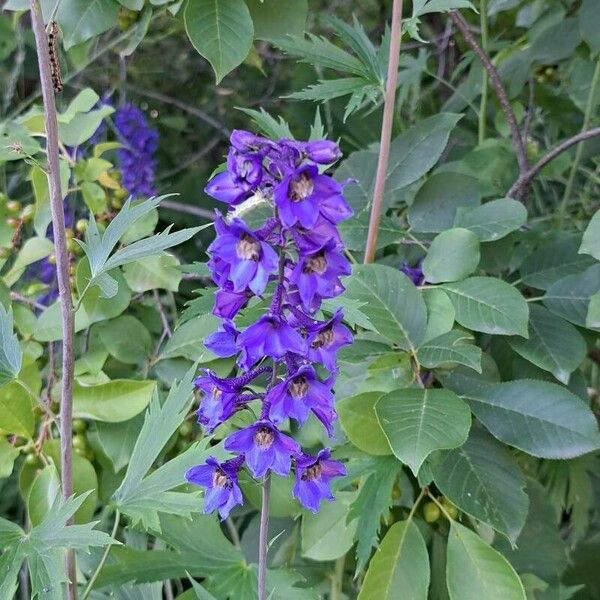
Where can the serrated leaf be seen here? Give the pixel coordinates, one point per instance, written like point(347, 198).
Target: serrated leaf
point(400, 568)
point(452, 256)
point(270, 126)
point(493, 220)
point(392, 303)
point(417, 422)
point(482, 479)
point(553, 344)
point(475, 570)
point(372, 506)
point(424, 7)
point(541, 418)
point(454, 347)
point(489, 305)
point(221, 31)
point(10, 351)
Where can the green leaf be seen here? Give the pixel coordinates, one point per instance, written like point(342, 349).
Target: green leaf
point(42, 494)
point(452, 256)
point(33, 249)
point(118, 440)
point(589, 24)
point(592, 320)
point(359, 422)
point(16, 411)
point(569, 297)
point(553, 261)
point(489, 305)
point(590, 243)
point(553, 345)
point(392, 303)
point(270, 126)
point(413, 153)
point(125, 338)
point(440, 313)
point(81, 20)
point(39, 183)
point(372, 506)
point(483, 480)
point(449, 349)
point(12, 134)
point(10, 351)
point(424, 7)
point(221, 31)
point(270, 22)
point(418, 421)
point(541, 418)
point(354, 231)
point(94, 197)
point(440, 198)
point(154, 272)
point(400, 567)
point(326, 535)
point(475, 571)
point(493, 220)
point(188, 340)
point(159, 425)
point(8, 454)
point(112, 402)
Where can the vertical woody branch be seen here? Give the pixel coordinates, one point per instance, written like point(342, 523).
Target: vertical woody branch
point(386, 131)
point(62, 267)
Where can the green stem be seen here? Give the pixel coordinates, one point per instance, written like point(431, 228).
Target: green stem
point(484, 81)
point(92, 581)
point(589, 109)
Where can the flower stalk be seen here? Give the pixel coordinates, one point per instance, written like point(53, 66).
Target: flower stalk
point(62, 271)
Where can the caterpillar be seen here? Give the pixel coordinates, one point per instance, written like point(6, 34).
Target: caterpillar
point(54, 63)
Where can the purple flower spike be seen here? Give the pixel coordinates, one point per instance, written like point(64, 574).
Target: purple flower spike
point(216, 404)
point(245, 141)
point(136, 157)
point(250, 261)
point(222, 187)
point(228, 303)
point(326, 338)
point(264, 447)
point(222, 342)
point(319, 273)
point(296, 199)
point(297, 395)
point(313, 479)
point(221, 483)
point(270, 336)
point(246, 169)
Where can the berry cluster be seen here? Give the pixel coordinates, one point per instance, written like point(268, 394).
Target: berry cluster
point(296, 257)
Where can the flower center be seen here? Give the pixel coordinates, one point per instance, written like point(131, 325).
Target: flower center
point(316, 264)
point(216, 393)
point(313, 472)
point(220, 479)
point(248, 248)
point(324, 338)
point(298, 387)
point(264, 437)
point(301, 188)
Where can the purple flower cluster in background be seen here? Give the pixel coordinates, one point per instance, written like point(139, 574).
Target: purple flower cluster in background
point(136, 157)
point(295, 258)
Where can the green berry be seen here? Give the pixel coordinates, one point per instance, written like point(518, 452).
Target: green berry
point(52, 259)
point(80, 442)
point(185, 429)
point(450, 508)
point(81, 226)
point(431, 512)
point(31, 459)
point(27, 213)
point(79, 425)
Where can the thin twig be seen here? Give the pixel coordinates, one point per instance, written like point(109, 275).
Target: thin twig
point(484, 82)
point(188, 208)
point(524, 180)
point(529, 111)
point(386, 131)
point(190, 160)
point(463, 27)
point(16, 297)
point(62, 271)
point(192, 110)
point(163, 316)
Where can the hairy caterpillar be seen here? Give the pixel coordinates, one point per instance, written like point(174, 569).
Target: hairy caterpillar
point(54, 63)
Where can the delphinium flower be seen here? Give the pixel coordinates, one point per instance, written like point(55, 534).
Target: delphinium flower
point(293, 261)
point(136, 156)
point(415, 274)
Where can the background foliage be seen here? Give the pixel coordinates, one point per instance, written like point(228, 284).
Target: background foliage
point(468, 403)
